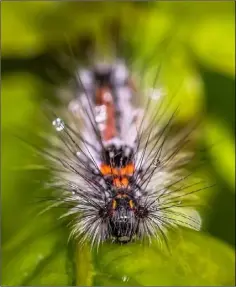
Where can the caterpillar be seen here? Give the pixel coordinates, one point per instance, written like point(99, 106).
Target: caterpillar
point(115, 165)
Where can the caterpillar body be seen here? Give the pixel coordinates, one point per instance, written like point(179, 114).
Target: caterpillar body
point(115, 166)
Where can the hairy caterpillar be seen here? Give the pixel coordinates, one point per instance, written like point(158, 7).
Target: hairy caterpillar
point(116, 167)
point(118, 174)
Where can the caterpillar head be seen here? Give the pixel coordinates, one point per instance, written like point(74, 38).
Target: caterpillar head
point(124, 215)
point(122, 219)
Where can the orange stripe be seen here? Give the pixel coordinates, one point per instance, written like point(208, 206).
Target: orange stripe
point(130, 169)
point(127, 170)
point(105, 169)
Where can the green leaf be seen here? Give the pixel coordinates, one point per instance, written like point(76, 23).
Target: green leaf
point(30, 252)
point(18, 109)
point(34, 248)
point(196, 259)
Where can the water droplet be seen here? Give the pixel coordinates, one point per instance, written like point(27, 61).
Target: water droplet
point(125, 278)
point(78, 153)
point(58, 124)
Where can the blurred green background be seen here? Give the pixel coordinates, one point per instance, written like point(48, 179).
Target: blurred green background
point(35, 35)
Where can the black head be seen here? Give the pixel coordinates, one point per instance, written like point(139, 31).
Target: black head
point(123, 221)
point(124, 217)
